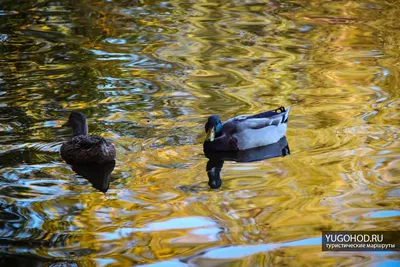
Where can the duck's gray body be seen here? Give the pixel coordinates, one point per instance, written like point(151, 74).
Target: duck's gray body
point(250, 131)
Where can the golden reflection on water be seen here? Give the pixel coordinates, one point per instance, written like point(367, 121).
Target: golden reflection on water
point(147, 76)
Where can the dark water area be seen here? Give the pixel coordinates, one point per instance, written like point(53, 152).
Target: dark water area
point(147, 74)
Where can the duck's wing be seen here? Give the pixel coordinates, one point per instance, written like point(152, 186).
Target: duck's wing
point(258, 121)
point(87, 149)
point(87, 142)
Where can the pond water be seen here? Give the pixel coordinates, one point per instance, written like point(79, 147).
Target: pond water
point(148, 74)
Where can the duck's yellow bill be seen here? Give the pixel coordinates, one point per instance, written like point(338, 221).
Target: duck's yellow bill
point(210, 135)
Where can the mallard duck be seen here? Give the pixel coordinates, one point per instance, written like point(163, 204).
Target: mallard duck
point(82, 148)
point(245, 132)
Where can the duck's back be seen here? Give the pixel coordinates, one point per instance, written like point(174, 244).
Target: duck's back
point(258, 130)
point(84, 149)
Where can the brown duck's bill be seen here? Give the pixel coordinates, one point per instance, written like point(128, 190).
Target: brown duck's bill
point(66, 124)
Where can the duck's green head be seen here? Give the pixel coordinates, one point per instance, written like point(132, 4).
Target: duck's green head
point(213, 127)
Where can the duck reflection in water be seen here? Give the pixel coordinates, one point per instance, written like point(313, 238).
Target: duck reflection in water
point(90, 156)
point(98, 174)
point(216, 159)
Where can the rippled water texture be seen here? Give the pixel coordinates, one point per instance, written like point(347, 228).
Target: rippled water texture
point(147, 75)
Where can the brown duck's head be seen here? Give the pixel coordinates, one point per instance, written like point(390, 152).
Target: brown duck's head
point(77, 121)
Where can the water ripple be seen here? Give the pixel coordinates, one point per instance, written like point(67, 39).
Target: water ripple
point(147, 75)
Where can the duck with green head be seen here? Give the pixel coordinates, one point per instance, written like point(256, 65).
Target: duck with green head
point(246, 131)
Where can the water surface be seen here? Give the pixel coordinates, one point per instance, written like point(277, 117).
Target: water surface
point(147, 74)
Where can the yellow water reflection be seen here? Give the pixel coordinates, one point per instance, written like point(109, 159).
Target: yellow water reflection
point(147, 75)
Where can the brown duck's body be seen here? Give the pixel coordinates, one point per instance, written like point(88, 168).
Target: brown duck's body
point(84, 148)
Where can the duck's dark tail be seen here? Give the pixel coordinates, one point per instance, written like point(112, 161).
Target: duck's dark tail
point(272, 113)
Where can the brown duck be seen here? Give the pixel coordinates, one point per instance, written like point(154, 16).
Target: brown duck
point(84, 148)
